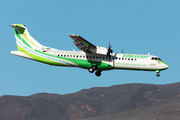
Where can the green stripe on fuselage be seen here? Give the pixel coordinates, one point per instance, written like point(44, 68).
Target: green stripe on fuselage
point(82, 63)
point(41, 59)
point(161, 62)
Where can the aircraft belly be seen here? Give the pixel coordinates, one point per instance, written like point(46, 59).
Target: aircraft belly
point(83, 64)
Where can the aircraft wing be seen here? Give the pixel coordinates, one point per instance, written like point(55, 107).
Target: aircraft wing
point(83, 44)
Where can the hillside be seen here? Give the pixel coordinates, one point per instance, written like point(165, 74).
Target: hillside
point(168, 109)
point(129, 101)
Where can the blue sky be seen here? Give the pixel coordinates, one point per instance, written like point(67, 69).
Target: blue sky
point(138, 27)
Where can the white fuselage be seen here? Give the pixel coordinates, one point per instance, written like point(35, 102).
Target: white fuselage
point(117, 61)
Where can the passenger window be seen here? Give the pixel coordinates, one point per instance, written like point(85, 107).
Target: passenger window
point(122, 58)
point(77, 56)
point(73, 55)
point(119, 58)
point(64, 55)
point(61, 55)
point(128, 58)
point(67, 55)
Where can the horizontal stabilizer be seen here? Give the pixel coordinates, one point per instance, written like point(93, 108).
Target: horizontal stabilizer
point(18, 26)
point(21, 54)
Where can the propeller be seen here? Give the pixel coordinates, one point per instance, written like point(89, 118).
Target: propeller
point(109, 51)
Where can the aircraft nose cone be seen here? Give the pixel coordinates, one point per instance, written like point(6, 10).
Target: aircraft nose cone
point(166, 66)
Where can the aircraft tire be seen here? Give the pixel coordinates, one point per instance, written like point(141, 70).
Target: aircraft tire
point(98, 73)
point(91, 70)
point(157, 74)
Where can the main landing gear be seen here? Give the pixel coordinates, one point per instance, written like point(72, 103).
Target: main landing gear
point(98, 73)
point(93, 68)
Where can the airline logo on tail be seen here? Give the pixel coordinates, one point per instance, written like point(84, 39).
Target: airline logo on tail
point(23, 38)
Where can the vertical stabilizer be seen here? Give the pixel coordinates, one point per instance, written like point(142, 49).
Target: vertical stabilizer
point(23, 38)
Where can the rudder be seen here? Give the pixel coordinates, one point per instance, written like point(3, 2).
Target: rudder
point(23, 38)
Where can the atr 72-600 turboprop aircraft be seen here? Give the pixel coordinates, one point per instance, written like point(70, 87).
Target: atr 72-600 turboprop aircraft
point(91, 57)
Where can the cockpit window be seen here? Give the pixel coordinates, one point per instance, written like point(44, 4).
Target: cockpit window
point(155, 58)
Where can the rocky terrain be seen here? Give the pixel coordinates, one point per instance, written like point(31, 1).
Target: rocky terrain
point(125, 102)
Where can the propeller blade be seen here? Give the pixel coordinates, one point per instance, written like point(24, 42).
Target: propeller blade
point(109, 51)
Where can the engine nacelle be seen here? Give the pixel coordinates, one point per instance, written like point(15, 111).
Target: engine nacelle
point(101, 50)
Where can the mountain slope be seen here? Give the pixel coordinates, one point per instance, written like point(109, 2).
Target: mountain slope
point(124, 100)
point(168, 109)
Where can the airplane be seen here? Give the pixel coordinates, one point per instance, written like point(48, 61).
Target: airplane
point(91, 57)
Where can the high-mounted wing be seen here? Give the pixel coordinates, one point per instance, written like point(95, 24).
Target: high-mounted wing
point(86, 46)
point(83, 44)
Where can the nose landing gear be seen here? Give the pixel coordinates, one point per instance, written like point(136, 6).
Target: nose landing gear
point(157, 73)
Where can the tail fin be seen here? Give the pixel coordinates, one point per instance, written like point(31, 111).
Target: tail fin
point(23, 38)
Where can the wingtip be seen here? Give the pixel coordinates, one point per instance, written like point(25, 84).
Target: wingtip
point(73, 35)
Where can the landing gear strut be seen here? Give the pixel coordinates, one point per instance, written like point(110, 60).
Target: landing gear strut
point(157, 73)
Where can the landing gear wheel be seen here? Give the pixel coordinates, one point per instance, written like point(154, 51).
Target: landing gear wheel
point(98, 73)
point(157, 74)
point(91, 70)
